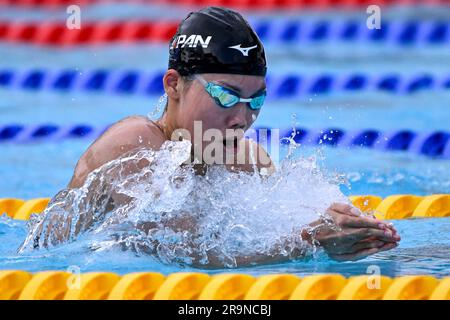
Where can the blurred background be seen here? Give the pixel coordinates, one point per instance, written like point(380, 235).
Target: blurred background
point(371, 104)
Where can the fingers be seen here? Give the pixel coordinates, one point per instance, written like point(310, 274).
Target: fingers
point(355, 256)
point(345, 209)
point(354, 217)
point(364, 222)
point(362, 245)
point(391, 227)
point(358, 246)
point(356, 221)
point(364, 233)
point(388, 246)
point(363, 253)
point(351, 210)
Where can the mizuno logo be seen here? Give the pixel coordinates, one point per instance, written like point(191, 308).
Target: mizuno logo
point(192, 41)
point(244, 51)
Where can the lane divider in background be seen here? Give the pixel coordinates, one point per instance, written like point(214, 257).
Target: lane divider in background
point(288, 31)
point(431, 144)
point(286, 86)
point(61, 285)
point(47, 132)
point(292, 4)
point(402, 33)
point(56, 33)
point(240, 4)
point(49, 3)
point(390, 208)
point(404, 206)
point(22, 209)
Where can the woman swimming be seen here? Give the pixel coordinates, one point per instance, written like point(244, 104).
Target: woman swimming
point(215, 86)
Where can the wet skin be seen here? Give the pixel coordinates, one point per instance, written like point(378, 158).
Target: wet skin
point(356, 236)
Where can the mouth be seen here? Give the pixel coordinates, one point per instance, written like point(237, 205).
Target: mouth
point(231, 144)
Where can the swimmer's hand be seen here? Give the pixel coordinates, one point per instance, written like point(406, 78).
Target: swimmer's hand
point(358, 237)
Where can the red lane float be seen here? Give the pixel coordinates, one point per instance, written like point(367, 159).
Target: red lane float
point(273, 4)
point(248, 4)
point(56, 33)
point(47, 3)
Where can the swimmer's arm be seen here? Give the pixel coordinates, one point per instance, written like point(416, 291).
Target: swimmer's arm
point(287, 250)
point(352, 236)
point(188, 223)
point(355, 238)
point(131, 133)
point(99, 200)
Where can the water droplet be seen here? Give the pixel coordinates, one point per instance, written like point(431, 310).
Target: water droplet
point(156, 113)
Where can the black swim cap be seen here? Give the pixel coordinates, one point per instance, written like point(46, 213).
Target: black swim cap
point(216, 40)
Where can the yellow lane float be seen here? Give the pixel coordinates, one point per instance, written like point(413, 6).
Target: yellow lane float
point(391, 207)
point(59, 285)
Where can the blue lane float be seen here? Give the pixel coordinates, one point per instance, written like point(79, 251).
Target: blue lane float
point(397, 33)
point(435, 144)
point(18, 133)
point(286, 86)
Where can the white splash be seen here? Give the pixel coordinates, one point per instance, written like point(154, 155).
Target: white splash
point(152, 202)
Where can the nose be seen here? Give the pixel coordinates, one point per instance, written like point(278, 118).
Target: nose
point(238, 117)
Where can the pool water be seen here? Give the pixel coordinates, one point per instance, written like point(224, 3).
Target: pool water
point(424, 249)
point(41, 169)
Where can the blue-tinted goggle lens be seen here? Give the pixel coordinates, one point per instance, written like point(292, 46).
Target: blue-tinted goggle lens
point(227, 98)
point(258, 101)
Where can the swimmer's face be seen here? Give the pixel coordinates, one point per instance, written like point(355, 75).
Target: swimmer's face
point(197, 105)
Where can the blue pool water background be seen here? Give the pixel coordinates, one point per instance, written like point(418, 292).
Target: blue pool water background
point(424, 250)
point(42, 169)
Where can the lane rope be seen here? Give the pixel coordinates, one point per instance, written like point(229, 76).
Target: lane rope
point(287, 31)
point(53, 285)
point(241, 4)
point(287, 86)
point(434, 144)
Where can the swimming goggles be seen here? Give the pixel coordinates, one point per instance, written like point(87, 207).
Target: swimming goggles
point(226, 98)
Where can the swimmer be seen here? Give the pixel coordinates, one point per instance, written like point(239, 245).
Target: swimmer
point(216, 77)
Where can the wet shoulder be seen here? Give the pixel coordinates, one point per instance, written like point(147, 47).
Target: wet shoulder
point(124, 136)
point(135, 132)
